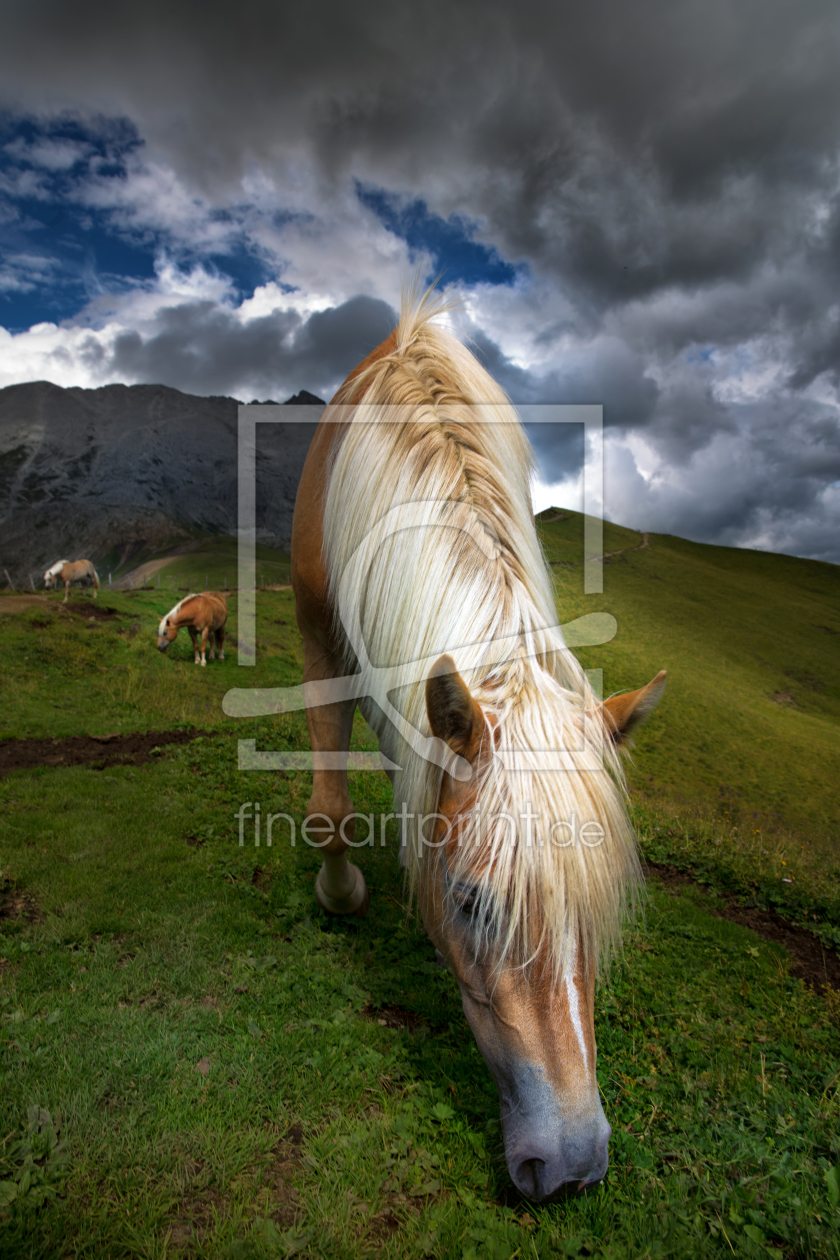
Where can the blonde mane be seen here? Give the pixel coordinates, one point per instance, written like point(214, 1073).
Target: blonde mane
point(435, 431)
point(56, 568)
point(173, 611)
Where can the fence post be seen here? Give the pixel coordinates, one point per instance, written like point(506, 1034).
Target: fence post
point(109, 579)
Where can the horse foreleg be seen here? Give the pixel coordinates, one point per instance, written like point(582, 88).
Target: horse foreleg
point(66, 592)
point(194, 637)
point(204, 635)
point(340, 887)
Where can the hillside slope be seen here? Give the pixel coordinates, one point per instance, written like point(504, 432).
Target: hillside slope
point(750, 722)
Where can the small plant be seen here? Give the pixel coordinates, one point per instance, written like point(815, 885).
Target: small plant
point(35, 1166)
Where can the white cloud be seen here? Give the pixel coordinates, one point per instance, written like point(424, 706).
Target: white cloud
point(52, 155)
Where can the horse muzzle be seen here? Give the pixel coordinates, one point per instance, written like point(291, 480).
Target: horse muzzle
point(544, 1171)
point(551, 1150)
point(163, 644)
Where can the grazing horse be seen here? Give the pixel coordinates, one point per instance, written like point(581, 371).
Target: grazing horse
point(203, 615)
point(68, 571)
point(416, 567)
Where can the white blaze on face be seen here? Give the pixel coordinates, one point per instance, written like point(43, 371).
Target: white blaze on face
point(574, 1012)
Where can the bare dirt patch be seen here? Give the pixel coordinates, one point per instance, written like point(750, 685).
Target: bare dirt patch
point(20, 603)
point(200, 1207)
point(89, 609)
point(393, 1017)
point(282, 1197)
point(96, 751)
point(18, 905)
point(811, 962)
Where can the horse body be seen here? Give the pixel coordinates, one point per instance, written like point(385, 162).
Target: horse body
point(204, 616)
point(415, 562)
point(68, 571)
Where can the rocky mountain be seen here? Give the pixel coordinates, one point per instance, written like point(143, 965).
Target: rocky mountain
point(114, 472)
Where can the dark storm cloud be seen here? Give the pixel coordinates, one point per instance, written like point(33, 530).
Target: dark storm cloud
point(621, 148)
point(202, 348)
point(670, 167)
point(606, 373)
point(576, 124)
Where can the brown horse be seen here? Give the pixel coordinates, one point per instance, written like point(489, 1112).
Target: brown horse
point(203, 615)
point(68, 571)
point(416, 567)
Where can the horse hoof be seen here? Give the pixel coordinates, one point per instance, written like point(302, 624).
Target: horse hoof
point(356, 902)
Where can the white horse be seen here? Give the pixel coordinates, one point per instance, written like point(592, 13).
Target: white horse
point(68, 571)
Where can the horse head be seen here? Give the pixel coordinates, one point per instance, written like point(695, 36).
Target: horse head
point(533, 1021)
point(167, 633)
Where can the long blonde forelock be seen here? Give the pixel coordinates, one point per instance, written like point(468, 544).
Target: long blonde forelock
point(438, 431)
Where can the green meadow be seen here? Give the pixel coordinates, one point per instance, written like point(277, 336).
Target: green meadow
point(751, 641)
point(195, 1061)
point(203, 562)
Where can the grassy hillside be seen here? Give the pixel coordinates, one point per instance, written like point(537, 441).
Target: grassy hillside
point(66, 674)
point(749, 724)
point(195, 1061)
point(204, 562)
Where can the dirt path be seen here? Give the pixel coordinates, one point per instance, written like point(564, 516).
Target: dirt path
point(20, 603)
point(607, 555)
point(96, 751)
point(812, 962)
point(140, 575)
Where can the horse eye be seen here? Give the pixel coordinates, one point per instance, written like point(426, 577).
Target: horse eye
point(468, 900)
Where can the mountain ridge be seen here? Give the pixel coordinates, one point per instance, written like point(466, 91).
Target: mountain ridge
point(123, 468)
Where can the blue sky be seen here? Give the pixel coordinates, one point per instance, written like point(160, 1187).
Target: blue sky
point(648, 221)
point(68, 235)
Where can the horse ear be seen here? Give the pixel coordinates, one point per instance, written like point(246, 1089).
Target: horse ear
point(453, 714)
point(624, 713)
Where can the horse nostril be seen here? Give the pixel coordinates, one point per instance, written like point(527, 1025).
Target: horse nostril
point(529, 1178)
point(553, 1179)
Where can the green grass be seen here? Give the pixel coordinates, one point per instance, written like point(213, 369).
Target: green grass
point(64, 675)
point(190, 1058)
point(213, 564)
point(734, 629)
